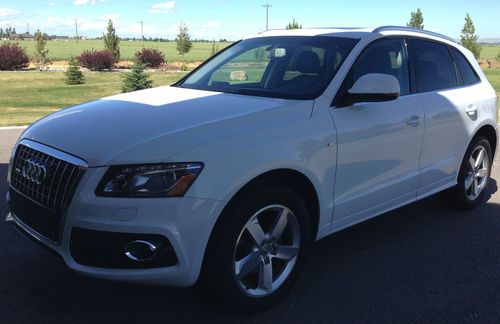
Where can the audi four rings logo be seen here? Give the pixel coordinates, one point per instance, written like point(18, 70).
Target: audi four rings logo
point(34, 171)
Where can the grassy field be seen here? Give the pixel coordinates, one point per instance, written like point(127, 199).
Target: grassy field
point(490, 52)
point(62, 50)
point(493, 76)
point(27, 96)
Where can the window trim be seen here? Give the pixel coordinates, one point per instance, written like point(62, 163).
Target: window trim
point(341, 90)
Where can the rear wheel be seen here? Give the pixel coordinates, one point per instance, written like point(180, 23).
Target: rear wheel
point(473, 176)
point(258, 249)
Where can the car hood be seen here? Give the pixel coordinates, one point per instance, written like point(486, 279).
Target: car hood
point(151, 125)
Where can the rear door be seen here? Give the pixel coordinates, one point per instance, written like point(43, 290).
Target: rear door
point(448, 98)
point(378, 142)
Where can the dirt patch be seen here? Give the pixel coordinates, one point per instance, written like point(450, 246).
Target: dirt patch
point(489, 64)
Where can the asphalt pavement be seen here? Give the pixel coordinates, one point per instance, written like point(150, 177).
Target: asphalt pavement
point(421, 263)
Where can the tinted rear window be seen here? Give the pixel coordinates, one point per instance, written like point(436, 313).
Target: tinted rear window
point(465, 70)
point(434, 68)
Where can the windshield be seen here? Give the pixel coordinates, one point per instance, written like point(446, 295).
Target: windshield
point(292, 67)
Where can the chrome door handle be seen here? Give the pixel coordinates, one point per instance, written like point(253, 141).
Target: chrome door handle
point(413, 121)
point(471, 110)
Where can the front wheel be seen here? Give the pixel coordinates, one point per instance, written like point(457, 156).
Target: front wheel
point(473, 176)
point(257, 251)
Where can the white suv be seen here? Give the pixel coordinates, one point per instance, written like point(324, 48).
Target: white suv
point(279, 140)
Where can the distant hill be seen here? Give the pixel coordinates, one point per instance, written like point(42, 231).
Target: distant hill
point(489, 41)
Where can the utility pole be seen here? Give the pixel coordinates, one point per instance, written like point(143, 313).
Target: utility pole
point(142, 31)
point(76, 29)
point(28, 28)
point(267, 6)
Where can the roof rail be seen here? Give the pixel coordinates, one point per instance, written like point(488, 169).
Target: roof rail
point(421, 31)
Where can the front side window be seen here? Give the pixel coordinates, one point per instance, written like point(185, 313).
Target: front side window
point(386, 57)
point(433, 66)
point(465, 71)
point(294, 67)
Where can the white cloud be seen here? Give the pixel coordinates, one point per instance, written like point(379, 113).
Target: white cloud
point(51, 22)
point(212, 24)
point(85, 2)
point(51, 3)
point(7, 13)
point(164, 7)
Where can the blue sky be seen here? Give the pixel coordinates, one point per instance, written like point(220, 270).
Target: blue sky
point(234, 19)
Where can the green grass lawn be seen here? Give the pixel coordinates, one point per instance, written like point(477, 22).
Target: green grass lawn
point(27, 96)
point(62, 50)
point(490, 52)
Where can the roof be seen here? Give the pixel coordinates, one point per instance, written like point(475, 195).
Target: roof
point(357, 32)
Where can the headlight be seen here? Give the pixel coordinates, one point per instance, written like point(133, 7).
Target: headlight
point(150, 180)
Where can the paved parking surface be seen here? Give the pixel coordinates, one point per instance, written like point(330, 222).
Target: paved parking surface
point(421, 263)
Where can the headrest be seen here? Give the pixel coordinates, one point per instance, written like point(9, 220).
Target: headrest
point(308, 62)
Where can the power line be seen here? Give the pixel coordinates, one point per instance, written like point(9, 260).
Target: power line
point(267, 6)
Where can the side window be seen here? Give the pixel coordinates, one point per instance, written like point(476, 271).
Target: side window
point(386, 56)
point(433, 66)
point(465, 70)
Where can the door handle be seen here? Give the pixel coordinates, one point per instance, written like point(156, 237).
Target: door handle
point(471, 110)
point(413, 121)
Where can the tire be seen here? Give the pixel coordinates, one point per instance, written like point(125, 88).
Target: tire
point(473, 176)
point(239, 255)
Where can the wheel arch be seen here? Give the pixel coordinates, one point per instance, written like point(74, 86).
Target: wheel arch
point(290, 178)
point(490, 133)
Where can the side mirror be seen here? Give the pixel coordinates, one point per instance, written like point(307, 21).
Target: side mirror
point(375, 87)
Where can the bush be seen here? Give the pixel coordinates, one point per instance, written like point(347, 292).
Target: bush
point(150, 57)
point(136, 79)
point(96, 60)
point(73, 73)
point(12, 57)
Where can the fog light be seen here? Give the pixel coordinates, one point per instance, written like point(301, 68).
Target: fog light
point(140, 250)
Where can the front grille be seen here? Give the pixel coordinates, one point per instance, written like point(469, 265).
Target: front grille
point(43, 181)
point(52, 187)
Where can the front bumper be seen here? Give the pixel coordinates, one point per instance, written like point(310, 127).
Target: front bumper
point(186, 222)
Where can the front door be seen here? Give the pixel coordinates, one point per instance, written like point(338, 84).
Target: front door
point(379, 143)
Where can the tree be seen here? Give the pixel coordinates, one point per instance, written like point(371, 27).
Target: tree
point(416, 20)
point(41, 59)
point(468, 37)
point(1, 33)
point(215, 48)
point(136, 79)
point(73, 73)
point(293, 25)
point(184, 43)
point(111, 41)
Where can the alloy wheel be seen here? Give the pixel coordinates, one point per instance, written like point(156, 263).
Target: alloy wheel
point(266, 250)
point(477, 173)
